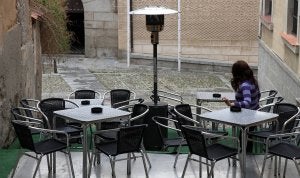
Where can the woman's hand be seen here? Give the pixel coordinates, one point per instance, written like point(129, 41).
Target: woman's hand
point(227, 102)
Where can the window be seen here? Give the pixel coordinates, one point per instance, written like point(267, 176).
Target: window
point(268, 7)
point(295, 18)
point(291, 33)
point(266, 14)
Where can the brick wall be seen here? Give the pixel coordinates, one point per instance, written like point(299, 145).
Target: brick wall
point(222, 30)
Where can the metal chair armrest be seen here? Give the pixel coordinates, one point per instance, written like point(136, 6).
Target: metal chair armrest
point(165, 126)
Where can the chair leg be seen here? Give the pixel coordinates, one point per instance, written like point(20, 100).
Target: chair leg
point(185, 166)
point(296, 164)
point(91, 163)
point(71, 163)
point(146, 155)
point(211, 172)
point(144, 162)
point(37, 166)
point(285, 165)
point(177, 155)
point(112, 163)
point(263, 167)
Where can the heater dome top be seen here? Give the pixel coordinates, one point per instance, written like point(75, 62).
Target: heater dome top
point(153, 10)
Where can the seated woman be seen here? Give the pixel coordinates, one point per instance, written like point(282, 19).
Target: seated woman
point(246, 89)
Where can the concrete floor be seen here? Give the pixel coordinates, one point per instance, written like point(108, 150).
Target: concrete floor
point(162, 167)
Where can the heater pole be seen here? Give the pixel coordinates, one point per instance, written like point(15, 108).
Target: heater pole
point(154, 41)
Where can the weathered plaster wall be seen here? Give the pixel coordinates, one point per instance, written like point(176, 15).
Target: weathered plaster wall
point(19, 69)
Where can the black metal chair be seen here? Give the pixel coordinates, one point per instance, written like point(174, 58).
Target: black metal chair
point(119, 97)
point(47, 108)
point(197, 141)
point(43, 147)
point(185, 116)
point(128, 141)
point(287, 120)
point(175, 142)
point(84, 94)
point(285, 147)
point(138, 111)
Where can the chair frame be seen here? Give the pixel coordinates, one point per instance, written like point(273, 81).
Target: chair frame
point(280, 137)
point(181, 141)
point(113, 159)
point(207, 136)
point(72, 95)
point(272, 93)
point(114, 105)
point(128, 123)
point(47, 132)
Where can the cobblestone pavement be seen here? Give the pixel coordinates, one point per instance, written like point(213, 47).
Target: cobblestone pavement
point(105, 74)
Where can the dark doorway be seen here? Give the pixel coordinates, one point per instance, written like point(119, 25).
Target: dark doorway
point(75, 26)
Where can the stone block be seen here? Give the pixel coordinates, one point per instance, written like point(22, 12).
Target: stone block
point(111, 25)
point(106, 42)
point(88, 15)
point(98, 6)
point(107, 52)
point(249, 51)
point(93, 24)
point(100, 16)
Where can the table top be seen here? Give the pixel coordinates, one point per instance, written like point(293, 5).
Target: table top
point(244, 118)
point(92, 101)
point(208, 96)
point(84, 114)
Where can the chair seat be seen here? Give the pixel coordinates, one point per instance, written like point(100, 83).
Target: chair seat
point(174, 142)
point(70, 130)
point(111, 135)
point(285, 150)
point(261, 134)
point(219, 151)
point(49, 146)
point(108, 148)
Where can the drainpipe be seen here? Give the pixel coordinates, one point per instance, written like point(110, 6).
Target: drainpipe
point(131, 26)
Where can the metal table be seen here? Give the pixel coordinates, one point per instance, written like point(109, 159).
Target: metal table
point(204, 96)
point(244, 119)
point(92, 101)
point(84, 116)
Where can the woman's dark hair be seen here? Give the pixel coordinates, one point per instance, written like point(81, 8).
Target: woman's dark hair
point(240, 73)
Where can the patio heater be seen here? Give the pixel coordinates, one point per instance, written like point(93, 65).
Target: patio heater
point(154, 24)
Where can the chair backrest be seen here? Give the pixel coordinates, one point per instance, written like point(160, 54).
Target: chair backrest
point(119, 95)
point(29, 103)
point(20, 113)
point(184, 109)
point(84, 94)
point(49, 105)
point(130, 138)
point(138, 114)
point(24, 135)
point(287, 116)
point(195, 140)
point(268, 93)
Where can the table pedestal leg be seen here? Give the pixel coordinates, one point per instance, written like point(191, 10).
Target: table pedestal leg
point(84, 153)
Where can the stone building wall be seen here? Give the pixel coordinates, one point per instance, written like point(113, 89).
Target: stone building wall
point(221, 30)
point(101, 28)
point(18, 70)
point(279, 65)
